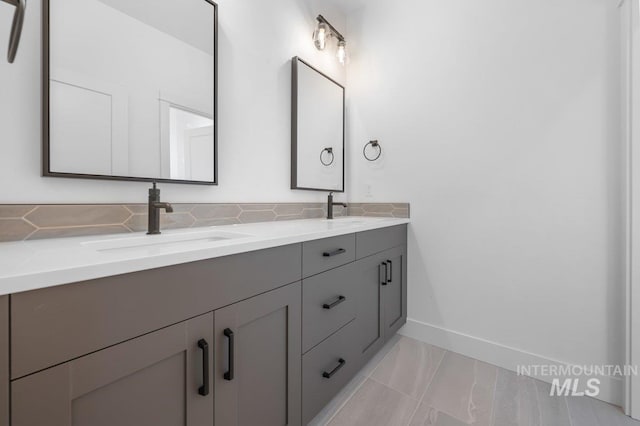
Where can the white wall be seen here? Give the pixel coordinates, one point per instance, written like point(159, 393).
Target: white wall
point(500, 124)
point(257, 39)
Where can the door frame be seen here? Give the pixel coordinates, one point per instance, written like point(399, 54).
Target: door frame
point(630, 67)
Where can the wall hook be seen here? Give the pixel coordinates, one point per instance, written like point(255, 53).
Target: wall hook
point(374, 144)
point(16, 27)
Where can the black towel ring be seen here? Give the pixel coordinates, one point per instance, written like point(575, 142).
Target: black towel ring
point(330, 151)
point(374, 144)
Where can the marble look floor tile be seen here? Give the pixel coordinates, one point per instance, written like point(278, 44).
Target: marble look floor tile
point(462, 388)
point(327, 413)
point(370, 366)
point(409, 367)
point(375, 404)
point(608, 414)
point(516, 401)
point(585, 411)
point(553, 409)
point(582, 413)
point(428, 416)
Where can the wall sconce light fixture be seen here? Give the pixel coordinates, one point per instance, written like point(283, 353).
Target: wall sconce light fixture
point(16, 27)
point(324, 31)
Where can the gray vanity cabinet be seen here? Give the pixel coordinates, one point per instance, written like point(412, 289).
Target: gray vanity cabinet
point(4, 361)
point(394, 290)
point(258, 360)
point(382, 298)
point(260, 338)
point(161, 378)
point(369, 318)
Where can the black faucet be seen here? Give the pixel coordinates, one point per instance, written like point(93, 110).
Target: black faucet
point(154, 210)
point(330, 205)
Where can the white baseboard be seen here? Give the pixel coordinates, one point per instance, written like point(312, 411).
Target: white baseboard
point(611, 388)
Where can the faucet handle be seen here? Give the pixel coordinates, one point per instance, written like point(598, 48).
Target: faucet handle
point(154, 191)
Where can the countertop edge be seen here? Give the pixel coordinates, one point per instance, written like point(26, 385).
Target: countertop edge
point(18, 283)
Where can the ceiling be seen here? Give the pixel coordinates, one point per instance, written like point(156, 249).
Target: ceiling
point(169, 17)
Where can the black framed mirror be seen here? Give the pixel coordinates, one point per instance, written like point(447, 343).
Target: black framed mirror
point(130, 90)
point(317, 129)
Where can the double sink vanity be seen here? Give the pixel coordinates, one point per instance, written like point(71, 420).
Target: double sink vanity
point(255, 324)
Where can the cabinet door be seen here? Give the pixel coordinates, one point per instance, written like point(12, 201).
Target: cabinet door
point(157, 379)
point(258, 360)
point(369, 317)
point(4, 361)
point(394, 291)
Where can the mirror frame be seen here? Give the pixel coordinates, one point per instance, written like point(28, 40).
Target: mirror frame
point(294, 125)
point(46, 169)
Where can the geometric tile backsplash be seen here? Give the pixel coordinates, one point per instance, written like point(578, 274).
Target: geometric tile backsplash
point(31, 222)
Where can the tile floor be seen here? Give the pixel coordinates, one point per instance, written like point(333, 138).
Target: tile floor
point(410, 383)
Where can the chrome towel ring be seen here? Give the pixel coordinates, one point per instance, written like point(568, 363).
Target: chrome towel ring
point(374, 144)
point(329, 151)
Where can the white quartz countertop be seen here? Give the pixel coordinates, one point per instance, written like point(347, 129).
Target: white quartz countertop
point(30, 265)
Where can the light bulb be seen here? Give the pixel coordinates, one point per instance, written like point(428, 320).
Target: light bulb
point(342, 52)
point(320, 36)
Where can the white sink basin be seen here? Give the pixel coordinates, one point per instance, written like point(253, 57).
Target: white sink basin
point(157, 244)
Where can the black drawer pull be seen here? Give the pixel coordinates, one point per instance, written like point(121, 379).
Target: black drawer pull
point(229, 374)
point(341, 364)
point(204, 389)
point(335, 303)
point(334, 253)
point(390, 279)
point(386, 273)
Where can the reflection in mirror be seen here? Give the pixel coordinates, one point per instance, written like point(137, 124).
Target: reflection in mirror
point(190, 147)
point(131, 90)
point(317, 130)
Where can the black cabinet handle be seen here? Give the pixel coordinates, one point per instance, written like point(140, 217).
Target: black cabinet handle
point(335, 303)
point(390, 279)
point(229, 374)
point(334, 253)
point(204, 389)
point(341, 364)
point(386, 273)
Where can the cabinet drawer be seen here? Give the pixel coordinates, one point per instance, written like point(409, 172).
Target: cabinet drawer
point(336, 357)
point(377, 240)
point(76, 319)
point(322, 255)
point(328, 303)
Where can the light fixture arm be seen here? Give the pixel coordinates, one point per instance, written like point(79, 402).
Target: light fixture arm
point(16, 27)
point(332, 29)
